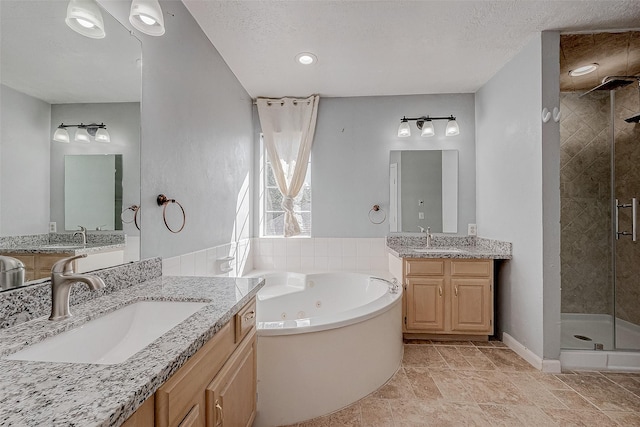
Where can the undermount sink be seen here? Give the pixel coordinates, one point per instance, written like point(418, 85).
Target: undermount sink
point(437, 250)
point(114, 337)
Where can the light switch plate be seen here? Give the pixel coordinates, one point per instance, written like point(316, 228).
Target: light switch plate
point(420, 215)
point(472, 230)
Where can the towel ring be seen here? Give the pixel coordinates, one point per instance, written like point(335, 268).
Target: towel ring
point(165, 201)
point(135, 209)
point(377, 208)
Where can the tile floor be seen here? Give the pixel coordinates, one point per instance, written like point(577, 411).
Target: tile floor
point(486, 384)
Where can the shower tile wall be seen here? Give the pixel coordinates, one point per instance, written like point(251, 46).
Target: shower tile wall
point(585, 204)
point(627, 186)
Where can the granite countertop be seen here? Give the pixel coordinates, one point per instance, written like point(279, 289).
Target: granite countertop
point(62, 248)
point(449, 247)
point(64, 394)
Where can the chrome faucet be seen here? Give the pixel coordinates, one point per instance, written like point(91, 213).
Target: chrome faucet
point(62, 278)
point(83, 233)
point(429, 236)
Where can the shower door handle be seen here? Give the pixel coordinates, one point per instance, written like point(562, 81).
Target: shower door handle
point(634, 219)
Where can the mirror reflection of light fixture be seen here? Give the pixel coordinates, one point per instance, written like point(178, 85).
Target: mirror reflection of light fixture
point(146, 16)
point(425, 124)
point(84, 17)
point(83, 134)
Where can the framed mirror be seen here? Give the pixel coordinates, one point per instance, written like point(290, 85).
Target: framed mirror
point(51, 75)
point(423, 191)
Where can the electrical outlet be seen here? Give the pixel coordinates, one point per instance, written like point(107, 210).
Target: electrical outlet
point(52, 227)
point(420, 202)
point(472, 230)
point(420, 215)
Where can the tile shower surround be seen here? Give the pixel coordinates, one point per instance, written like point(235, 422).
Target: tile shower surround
point(30, 302)
point(585, 204)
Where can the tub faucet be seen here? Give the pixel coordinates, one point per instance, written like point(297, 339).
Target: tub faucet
point(62, 278)
point(83, 233)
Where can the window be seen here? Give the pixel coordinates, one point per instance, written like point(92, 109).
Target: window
point(271, 212)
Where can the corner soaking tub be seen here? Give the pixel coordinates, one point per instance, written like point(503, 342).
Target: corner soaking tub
point(325, 340)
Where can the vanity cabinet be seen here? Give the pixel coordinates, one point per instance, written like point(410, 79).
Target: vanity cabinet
point(448, 297)
point(38, 266)
point(217, 386)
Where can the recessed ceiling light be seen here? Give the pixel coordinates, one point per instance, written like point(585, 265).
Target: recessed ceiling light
point(585, 69)
point(306, 58)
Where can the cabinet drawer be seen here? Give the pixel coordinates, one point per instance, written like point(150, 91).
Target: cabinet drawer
point(245, 321)
point(471, 268)
point(431, 267)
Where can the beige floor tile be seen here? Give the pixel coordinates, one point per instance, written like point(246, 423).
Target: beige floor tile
point(470, 351)
point(481, 363)
point(570, 417)
point(316, 422)
point(450, 343)
point(493, 387)
point(376, 412)
point(627, 381)
point(347, 417)
point(397, 387)
point(442, 413)
point(603, 393)
point(407, 412)
point(626, 419)
point(550, 381)
point(453, 357)
point(535, 391)
point(424, 388)
point(506, 360)
point(516, 415)
point(573, 400)
point(451, 385)
point(426, 356)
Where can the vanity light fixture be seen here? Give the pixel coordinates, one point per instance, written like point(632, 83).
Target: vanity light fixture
point(84, 17)
point(83, 134)
point(146, 16)
point(425, 124)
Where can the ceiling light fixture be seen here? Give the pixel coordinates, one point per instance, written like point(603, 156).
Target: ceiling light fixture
point(306, 58)
point(83, 134)
point(585, 69)
point(84, 17)
point(146, 16)
point(425, 124)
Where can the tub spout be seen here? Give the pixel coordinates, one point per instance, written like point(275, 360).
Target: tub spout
point(394, 287)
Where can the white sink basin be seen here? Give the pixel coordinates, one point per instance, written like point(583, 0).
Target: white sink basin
point(114, 337)
point(437, 250)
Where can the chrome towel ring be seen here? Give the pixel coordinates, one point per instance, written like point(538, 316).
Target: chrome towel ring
point(372, 214)
point(165, 201)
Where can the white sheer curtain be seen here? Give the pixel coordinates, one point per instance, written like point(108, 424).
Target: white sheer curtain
point(288, 126)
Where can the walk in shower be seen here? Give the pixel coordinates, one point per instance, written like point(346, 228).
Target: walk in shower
point(600, 239)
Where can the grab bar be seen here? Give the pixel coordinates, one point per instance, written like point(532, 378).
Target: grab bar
point(393, 284)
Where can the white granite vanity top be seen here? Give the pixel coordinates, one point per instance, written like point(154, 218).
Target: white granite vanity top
point(68, 394)
point(468, 248)
point(63, 248)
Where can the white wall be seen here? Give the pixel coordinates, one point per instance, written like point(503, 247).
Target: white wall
point(197, 137)
point(350, 157)
point(25, 140)
point(514, 201)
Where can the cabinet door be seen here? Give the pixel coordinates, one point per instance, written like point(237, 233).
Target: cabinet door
point(425, 304)
point(231, 396)
point(471, 305)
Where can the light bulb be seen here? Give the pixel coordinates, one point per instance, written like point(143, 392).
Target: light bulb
point(61, 135)
point(102, 135)
point(82, 135)
point(146, 16)
point(84, 17)
point(85, 23)
point(148, 20)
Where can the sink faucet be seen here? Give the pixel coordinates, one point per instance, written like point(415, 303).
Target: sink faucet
point(83, 233)
point(429, 236)
point(62, 278)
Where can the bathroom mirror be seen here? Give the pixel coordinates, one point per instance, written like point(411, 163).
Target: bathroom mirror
point(49, 75)
point(423, 187)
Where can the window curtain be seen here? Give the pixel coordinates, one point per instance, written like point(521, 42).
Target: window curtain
point(288, 126)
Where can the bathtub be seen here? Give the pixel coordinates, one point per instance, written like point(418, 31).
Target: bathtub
point(325, 340)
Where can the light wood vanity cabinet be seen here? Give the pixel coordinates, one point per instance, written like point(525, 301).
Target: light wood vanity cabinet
point(448, 296)
point(217, 386)
point(38, 266)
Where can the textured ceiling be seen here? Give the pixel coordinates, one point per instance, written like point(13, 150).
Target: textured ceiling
point(617, 54)
point(42, 57)
point(387, 47)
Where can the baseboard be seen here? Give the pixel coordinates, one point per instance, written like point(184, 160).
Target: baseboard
point(544, 365)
